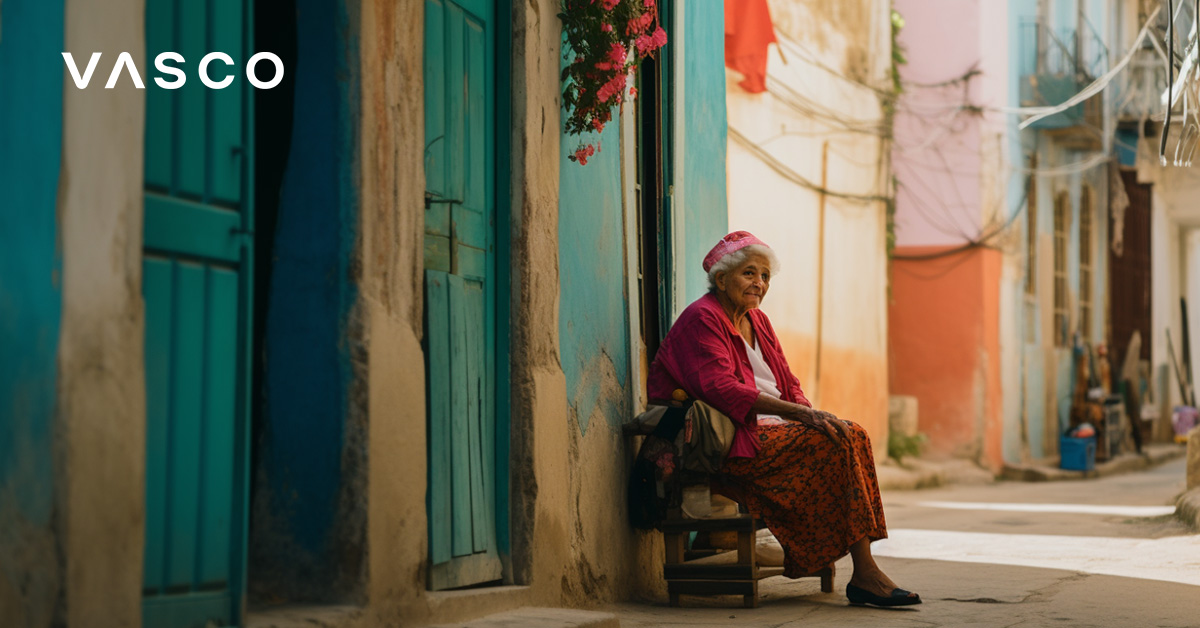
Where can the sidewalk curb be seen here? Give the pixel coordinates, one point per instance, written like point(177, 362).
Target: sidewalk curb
point(1187, 509)
point(1048, 471)
point(915, 473)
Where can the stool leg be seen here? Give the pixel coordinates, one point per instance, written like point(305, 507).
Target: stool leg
point(675, 543)
point(675, 547)
point(750, 600)
point(827, 579)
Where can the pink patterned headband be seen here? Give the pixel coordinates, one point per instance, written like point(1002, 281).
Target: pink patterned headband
point(730, 243)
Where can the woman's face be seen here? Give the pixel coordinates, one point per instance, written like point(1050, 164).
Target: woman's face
point(747, 285)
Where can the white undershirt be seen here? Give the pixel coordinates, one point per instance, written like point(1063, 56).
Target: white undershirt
point(764, 379)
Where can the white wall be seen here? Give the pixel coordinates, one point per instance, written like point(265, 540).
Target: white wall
point(827, 63)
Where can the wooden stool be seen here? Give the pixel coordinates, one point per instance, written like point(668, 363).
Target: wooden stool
point(686, 577)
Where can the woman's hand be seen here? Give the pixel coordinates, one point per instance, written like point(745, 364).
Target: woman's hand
point(826, 422)
point(819, 420)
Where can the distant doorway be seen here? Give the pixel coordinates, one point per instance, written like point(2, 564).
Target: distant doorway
point(1129, 275)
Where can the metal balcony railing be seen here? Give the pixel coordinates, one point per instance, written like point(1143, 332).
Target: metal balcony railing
point(1054, 67)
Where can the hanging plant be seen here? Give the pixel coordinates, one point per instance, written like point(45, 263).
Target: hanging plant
point(606, 40)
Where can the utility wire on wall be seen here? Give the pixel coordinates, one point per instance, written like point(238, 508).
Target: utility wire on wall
point(795, 177)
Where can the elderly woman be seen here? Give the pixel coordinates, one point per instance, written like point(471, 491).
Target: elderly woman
point(810, 475)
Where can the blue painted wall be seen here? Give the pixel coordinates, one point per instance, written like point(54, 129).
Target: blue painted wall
point(706, 208)
point(301, 471)
point(31, 71)
point(593, 311)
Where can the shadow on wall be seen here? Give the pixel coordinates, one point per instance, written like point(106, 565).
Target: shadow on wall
point(307, 532)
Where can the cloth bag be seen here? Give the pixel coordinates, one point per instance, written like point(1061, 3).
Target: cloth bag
point(705, 439)
point(708, 436)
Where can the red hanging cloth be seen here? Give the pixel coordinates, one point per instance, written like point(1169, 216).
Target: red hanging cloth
point(748, 32)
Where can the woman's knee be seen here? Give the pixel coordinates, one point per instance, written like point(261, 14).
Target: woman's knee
point(858, 432)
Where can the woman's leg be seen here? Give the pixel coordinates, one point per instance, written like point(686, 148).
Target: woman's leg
point(867, 574)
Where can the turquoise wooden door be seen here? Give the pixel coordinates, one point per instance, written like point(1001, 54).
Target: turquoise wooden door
point(196, 285)
point(460, 298)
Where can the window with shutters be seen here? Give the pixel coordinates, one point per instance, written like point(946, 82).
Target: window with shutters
point(1031, 225)
point(1062, 208)
point(1085, 263)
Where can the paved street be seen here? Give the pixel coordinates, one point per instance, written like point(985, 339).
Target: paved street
point(1103, 552)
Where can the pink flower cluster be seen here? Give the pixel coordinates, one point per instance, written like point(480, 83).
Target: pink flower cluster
point(605, 41)
point(614, 86)
point(639, 24)
point(582, 153)
point(615, 60)
point(647, 44)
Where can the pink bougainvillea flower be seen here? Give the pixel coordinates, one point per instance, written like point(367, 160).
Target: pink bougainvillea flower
point(616, 54)
point(598, 124)
point(582, 153)
point(643, 44)
point(639, 24)
point(632, 93)
point(609, 5)
point(606, 27)
point(612, 88)
point(647, 44)
point(648, 3)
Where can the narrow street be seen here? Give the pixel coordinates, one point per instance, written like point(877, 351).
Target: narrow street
point(1092, 553)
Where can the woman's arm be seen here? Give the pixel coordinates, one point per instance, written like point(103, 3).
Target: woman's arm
point(816, 419)
point(705, 367)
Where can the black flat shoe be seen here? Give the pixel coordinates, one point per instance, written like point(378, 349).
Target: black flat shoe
point(899, 597)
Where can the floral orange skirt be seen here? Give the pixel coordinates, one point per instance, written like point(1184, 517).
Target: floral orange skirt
point(817, 497)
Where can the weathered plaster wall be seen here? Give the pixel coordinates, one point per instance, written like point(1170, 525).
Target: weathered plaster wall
point(308, 538)
point(31, 36)
point(789, 124)
point(594, 341)
point(392, 184)
point(391, 149)
point(948, 355)
point(101, 387)
point(593, 325)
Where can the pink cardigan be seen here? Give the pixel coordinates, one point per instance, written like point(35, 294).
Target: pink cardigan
point(705, 356)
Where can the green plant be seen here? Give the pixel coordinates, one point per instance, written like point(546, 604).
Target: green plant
point(898, 58)
point(901, 445)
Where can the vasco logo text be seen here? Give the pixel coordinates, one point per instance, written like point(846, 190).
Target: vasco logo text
point(125, 61)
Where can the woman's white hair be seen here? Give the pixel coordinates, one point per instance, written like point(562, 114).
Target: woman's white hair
point(739, 257)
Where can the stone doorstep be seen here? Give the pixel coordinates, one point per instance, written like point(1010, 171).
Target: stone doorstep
point(1047, 470)
point(529, 617)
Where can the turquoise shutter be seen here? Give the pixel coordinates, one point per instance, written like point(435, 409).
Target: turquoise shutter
point(196, 285)
point(460, 292)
